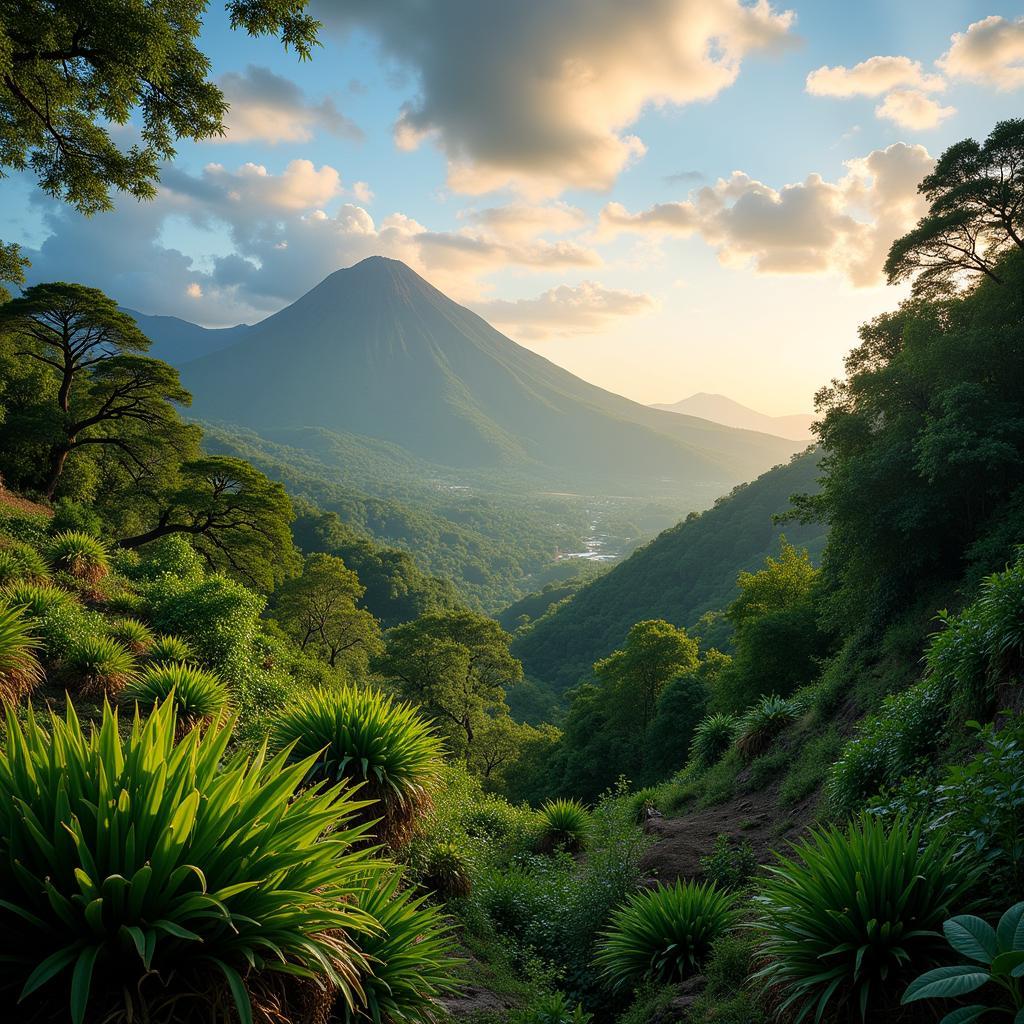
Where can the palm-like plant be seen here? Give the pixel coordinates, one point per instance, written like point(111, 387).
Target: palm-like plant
point(135, 635)
point(363, 736)
point(445, 870)
point(552, 1009)
point(80, 554)
point(564, 825)
point(141, 873)
point(713, 736)
point(853, 912)
point(37, 599)
point(21, 563)
point(99, 665)
point(166, 648)
point(758, 728)
point(19, 667)
point(665, 934)
point(412, 957)
point(199, 697)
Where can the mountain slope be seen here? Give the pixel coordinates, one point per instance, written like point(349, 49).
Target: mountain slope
point(724, 410)
point(178, 341)
point(686, 571)
point(375, 350)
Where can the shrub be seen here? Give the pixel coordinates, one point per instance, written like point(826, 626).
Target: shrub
point(713, 736)
point(729, 997)
point(552, 1009)
point(642, 801)
point(563, 826)
point(812, 762)
point(411, 957)
point(80, 554)
point(852, 913)
point(198, 697)
point(135, 635)
point(446, 871)
point(366, 737)
point(19, 668)
point(996, 955)
point(664, 934)
point(37, 599)
point(169, 648)
point(729, 866)
point(21, 563)
point(99, 665)
point(758, 728)
point(141, 875)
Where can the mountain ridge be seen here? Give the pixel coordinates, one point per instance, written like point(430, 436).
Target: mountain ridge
point(728, 412)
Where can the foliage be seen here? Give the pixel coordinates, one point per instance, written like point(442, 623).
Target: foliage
point(762, 723)
point(129, 861)
point(411, 957)
point(780, 584)
point(21, 563)
point(729, 997)
point(564, 825)
point(664, 934)
point(365, 737)
point(729, 865)
point(166, 647)
point(19, 667)
point(811, 764)
point(80, 554)
point(198, 697)
point(135, 635)
point(446, 871)
point(554, 1008)
point(99, 665)
point(713, 736)
point(997, 958)
point(681, 706)
point(853, 911)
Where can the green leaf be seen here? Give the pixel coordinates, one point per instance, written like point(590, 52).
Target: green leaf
point(1010, 930)
point(945, 983)
point(1007, 963)
point(965, 1014)
point(972, 937)
point(81, 982)
point(51, 966)
point(238, 992)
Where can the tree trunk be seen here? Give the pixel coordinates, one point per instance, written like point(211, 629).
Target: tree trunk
point(58, 457)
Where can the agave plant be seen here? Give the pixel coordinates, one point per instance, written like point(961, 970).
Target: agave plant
point(21, 563)
point(19, 667)
point(80, 554)
point(363, 736)
point(713, 736)
point(665, 934)
point(37, 599)
point(853, 912)
point(758, 728)
point(166, 648)
point(564, 825)
point(135, 635)
point(140, 875)
point(445, 870)
point(98, 665)
point(198, 697)
point(412, 957)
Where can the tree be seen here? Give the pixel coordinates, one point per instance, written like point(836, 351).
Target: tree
point(235, 517)
point(498, 744)
point(655, 652)
point(782, 583)
point(457, 665)
point(975, 214)
point(319, 611)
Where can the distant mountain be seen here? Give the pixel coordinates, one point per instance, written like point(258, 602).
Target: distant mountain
point(721, 409)
point(178, 341)
point(375, 350)
point(686, 571)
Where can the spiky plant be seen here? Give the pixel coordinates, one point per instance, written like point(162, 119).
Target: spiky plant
point(98, 665)
point(564, 825)
point(762, 723)
point(169, 648)
point(445, 870)
point(412, 957)
point(366, 737)
point(135, 635)
point(552, 1009)
point(80, 554)
point(21, 563)
point(853, 913)
point(19, 667)
point(144, 876)
point(37, 599)
point(665, 934)
point(199, 697)
point(713, 736)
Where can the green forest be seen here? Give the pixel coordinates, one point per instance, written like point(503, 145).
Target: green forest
point(296, 730)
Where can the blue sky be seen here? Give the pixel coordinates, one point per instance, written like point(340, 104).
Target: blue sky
point(654, 195)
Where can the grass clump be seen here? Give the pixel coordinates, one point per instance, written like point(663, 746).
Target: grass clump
point(553, 1008)
point(135, 635)
point(446, 870)
point(564, 825)
point(79, 554)
point(38, 599)
point(21, 563)
point(198, 697)
point(713, 736)
point(99, 666)
point(20, 671)
point(166, 647)
point(758, 728)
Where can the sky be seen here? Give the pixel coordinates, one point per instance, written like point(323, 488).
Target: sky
point(662, 196)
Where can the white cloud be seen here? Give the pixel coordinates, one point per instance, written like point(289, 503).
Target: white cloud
point(811, 226)
point(300, 186)
point(872, 77)
point(990, 52)
point(913, 109)
point(565, 310)
point(526, 220)
point(265, 107)
point(540, 94)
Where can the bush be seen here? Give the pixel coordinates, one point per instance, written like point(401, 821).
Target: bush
point(21, 563)
point(563, 826)
point(853, 912)
point(99, 666)
point(80, 554)
point(713, 736)
point(812, 762)
point(166, 648)
point(37, 599)
point(758, 728)
point(198, 697)
point(363, 736)
point(19, 668)
point(664, 934)
point(446, 871)
point(729, 866)
point(135, 635)
point(144, 877)
point(552, 1009)
point(729, 997)
point(411, 956)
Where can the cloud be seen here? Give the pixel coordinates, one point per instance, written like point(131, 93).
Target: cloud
point(526, 220)
point(684, 177)
point(565, 310)
point(811, 226)
point(265, 107)
point(913, 109)
point(872, 77)
point(990, 52)
point(540, 94)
